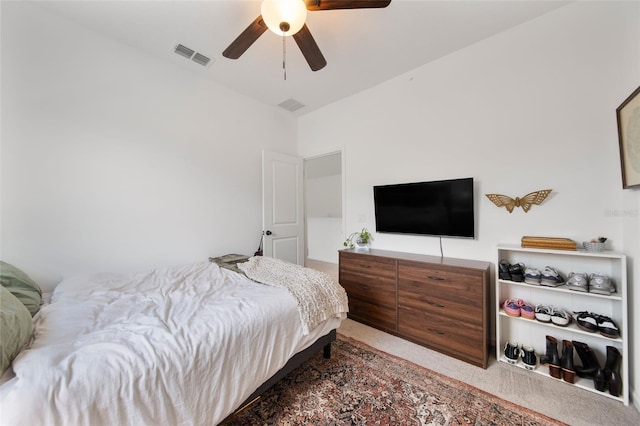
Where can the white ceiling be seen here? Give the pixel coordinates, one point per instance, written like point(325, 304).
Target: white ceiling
point(362, 47)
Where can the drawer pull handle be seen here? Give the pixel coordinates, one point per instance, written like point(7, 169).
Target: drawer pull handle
point(437, 305)
point(434, 278)
point(433, 330)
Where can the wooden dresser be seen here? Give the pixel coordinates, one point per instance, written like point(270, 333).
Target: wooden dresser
point(440, 303)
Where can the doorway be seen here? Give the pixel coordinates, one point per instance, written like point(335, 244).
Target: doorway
point(323, 179)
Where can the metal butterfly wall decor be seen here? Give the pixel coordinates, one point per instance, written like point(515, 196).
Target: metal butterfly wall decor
point(536, 197)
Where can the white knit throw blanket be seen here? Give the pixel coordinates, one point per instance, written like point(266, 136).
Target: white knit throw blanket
point(318, 296)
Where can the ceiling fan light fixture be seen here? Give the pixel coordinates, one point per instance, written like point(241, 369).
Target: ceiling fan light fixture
point(284, 17)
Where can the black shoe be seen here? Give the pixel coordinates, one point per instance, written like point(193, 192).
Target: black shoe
point(600, 380)
point(607, 327)
point(590, 363)
point(587, 321)
point(517, 272)
point(551, 357)
point(568, 370)
point(503, 270)
point(612, 371)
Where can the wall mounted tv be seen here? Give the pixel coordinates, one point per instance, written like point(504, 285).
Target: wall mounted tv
point(440, 208)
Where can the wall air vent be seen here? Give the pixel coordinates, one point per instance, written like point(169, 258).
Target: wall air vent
point(291, 105)
point(189, 53)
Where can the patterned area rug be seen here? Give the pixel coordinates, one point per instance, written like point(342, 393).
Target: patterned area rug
point(360, 385)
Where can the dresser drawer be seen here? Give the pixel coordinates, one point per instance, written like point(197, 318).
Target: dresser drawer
point(368, 265)
point(372, 314)
point(369, 278)
point(459, 338)
point(368, 287)
point(438, 307)
point(458, 289)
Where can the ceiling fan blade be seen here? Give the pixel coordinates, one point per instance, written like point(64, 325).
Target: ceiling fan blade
point(345, 4)
point(245, 39)
point(309, 49)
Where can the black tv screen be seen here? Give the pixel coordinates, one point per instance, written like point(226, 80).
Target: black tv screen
point(440, 208)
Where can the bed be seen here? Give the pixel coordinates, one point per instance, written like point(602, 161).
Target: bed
point(187, 345)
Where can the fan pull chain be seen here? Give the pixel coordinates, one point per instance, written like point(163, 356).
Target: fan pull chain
point(284, 56)
point(284, 27)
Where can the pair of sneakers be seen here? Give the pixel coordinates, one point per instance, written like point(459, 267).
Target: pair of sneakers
point(595, 283)
point(519, 308)
point(552, 314)
point(548, 277)
point(513, 351)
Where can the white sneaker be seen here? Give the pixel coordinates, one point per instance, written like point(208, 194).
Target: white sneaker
point(551, 277)
point(578, 281)
point(601, 284)
point(532, 276)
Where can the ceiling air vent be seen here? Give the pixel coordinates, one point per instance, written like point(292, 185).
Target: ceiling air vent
point(291, 105)
point(188, 53)
point(200, 59)
point(184, 51)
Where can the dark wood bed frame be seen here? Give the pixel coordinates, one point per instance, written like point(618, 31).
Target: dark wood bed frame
point(294, 362)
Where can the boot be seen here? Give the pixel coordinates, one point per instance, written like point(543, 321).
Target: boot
point(568, 370)
point(600, 380)
point(590, 363)
point(612, 371)
point(551, 357)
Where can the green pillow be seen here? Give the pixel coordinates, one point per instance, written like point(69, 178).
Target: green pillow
point(16, 326)
point(21, 286)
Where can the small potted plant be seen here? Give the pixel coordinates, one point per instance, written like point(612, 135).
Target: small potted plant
point(360, 240)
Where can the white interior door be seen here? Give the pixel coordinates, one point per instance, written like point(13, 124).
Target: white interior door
point(283, 207)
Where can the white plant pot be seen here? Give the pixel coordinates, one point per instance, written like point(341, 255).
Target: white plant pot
point(361, 245)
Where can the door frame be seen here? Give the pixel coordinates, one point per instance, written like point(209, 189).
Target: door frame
point(343, 176)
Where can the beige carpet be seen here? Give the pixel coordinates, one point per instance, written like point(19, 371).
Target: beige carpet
point(553, 398)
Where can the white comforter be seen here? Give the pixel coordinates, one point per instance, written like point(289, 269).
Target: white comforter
point(174, 346)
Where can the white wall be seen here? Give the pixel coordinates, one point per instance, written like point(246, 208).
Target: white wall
point(114, 160)
point(529, 109)
point(323, 206)
point(324, 238)
point(323, 195)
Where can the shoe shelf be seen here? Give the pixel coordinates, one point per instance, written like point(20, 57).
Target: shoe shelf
point(560, 289)
point(531, 332)
point(572, 327)
point(580, 382)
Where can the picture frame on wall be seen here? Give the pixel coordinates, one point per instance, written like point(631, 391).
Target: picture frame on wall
point(628, 117)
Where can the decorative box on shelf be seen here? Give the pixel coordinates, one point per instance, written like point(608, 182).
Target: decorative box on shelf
point(548, 242)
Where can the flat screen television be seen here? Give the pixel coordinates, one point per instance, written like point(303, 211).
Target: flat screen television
point(440, 208)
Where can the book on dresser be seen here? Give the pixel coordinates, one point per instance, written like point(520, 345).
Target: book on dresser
point(438, 302)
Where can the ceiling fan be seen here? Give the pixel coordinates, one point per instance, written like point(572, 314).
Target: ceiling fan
point(287, 17)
